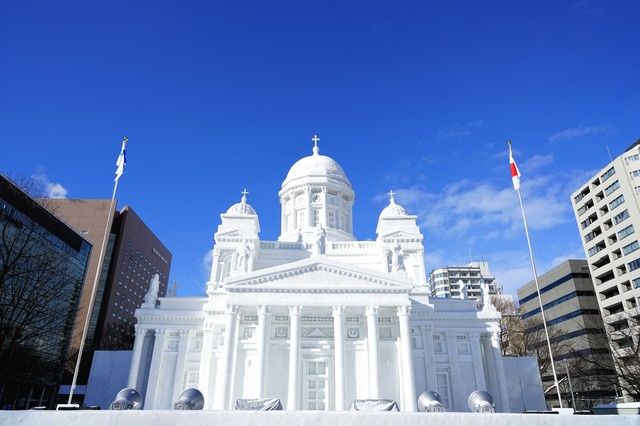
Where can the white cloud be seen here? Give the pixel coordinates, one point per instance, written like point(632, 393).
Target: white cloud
point(576, 253)
point(536, 162)
point(49, 189)
point(576, 132)
point(205, 265)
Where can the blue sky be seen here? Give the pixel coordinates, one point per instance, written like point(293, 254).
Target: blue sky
point(418, 97)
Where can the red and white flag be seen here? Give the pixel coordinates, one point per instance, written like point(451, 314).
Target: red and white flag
point(515, 172)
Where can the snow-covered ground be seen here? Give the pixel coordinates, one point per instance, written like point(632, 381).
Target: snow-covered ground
point(299, 418)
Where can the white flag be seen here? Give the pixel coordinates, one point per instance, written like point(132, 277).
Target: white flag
point(122, 160)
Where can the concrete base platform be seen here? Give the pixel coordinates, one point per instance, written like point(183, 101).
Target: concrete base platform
point(299, 418)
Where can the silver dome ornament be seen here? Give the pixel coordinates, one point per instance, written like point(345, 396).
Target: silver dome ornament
point(430, 402)
point(481, 402)
point(190, 399)
point(127, 399)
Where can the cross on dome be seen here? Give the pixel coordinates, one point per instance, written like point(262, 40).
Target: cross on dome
point(315, 140)
point(244, 195)
point(391, 196)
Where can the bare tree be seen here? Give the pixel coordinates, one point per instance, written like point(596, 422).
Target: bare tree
point(623, 340)
point(511, 326)
point(117, 337)
point(38, 296)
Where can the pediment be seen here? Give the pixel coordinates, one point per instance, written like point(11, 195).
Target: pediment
point(319, 274)
point(402, 236)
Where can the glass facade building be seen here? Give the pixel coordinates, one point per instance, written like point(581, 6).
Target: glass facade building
point(43, 263)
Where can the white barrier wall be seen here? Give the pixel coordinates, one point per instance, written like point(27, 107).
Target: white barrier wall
point(304, 418)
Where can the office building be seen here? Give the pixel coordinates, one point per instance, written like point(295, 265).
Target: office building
point(133, 255)
point(42, 268)
point(575, 328)
point(447, 282)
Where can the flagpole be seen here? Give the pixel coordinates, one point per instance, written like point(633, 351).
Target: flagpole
point(94, 289)
point(535, 278)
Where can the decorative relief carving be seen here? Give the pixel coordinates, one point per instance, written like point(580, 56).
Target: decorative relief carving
point(353, 332)
point(172, 345)
point(317, 332)
point(248, 333)
point(281, 332)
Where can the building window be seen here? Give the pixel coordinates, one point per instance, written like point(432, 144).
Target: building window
point(633, 265)
point(608, 174)
point(634, 174)
point(636, 283)
point(620, 217)
point(609, 189)
point(438, 344)
point(615, 203)
point(630, 248)
point(625, 232)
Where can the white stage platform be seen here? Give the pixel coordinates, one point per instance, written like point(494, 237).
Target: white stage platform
point(299, 418)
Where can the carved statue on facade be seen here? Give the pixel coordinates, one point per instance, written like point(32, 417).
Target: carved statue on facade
point(486, 297)
point(464, 289)
point(299, 235)
point(397, 257)
point(152, 295)
point(320, 242)
point(244, 256)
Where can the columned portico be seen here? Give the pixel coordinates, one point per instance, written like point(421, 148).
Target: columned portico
point(294, 358)
point(371, 312)
point(338, 345)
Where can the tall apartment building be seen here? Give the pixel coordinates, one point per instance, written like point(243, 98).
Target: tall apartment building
point(576, 329)
point(133, 255)
point(607, 211)
point(445, 282)
point(42, 267)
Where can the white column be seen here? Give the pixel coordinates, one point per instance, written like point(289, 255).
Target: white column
point(478, 367)
point(154, 370)
point(206, 383)
point(338, 344)
point(307, 192)
point(372, 347)
point(294, 357)
point(181, 360)
point(429, 357)
point(408, 383)
point(457, 400)
point(500, 375)
point(222, 395)
point(262, 342)
point(138, 345)
point(491, 377)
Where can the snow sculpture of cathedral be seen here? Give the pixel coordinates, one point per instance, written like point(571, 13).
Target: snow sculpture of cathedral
point(317, 318)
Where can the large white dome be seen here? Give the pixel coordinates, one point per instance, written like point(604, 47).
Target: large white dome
point(316, 165)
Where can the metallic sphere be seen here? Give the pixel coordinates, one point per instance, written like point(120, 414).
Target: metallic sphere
point(190, 399)
point(481, 402)
point(430, 402)
point(127, 399)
